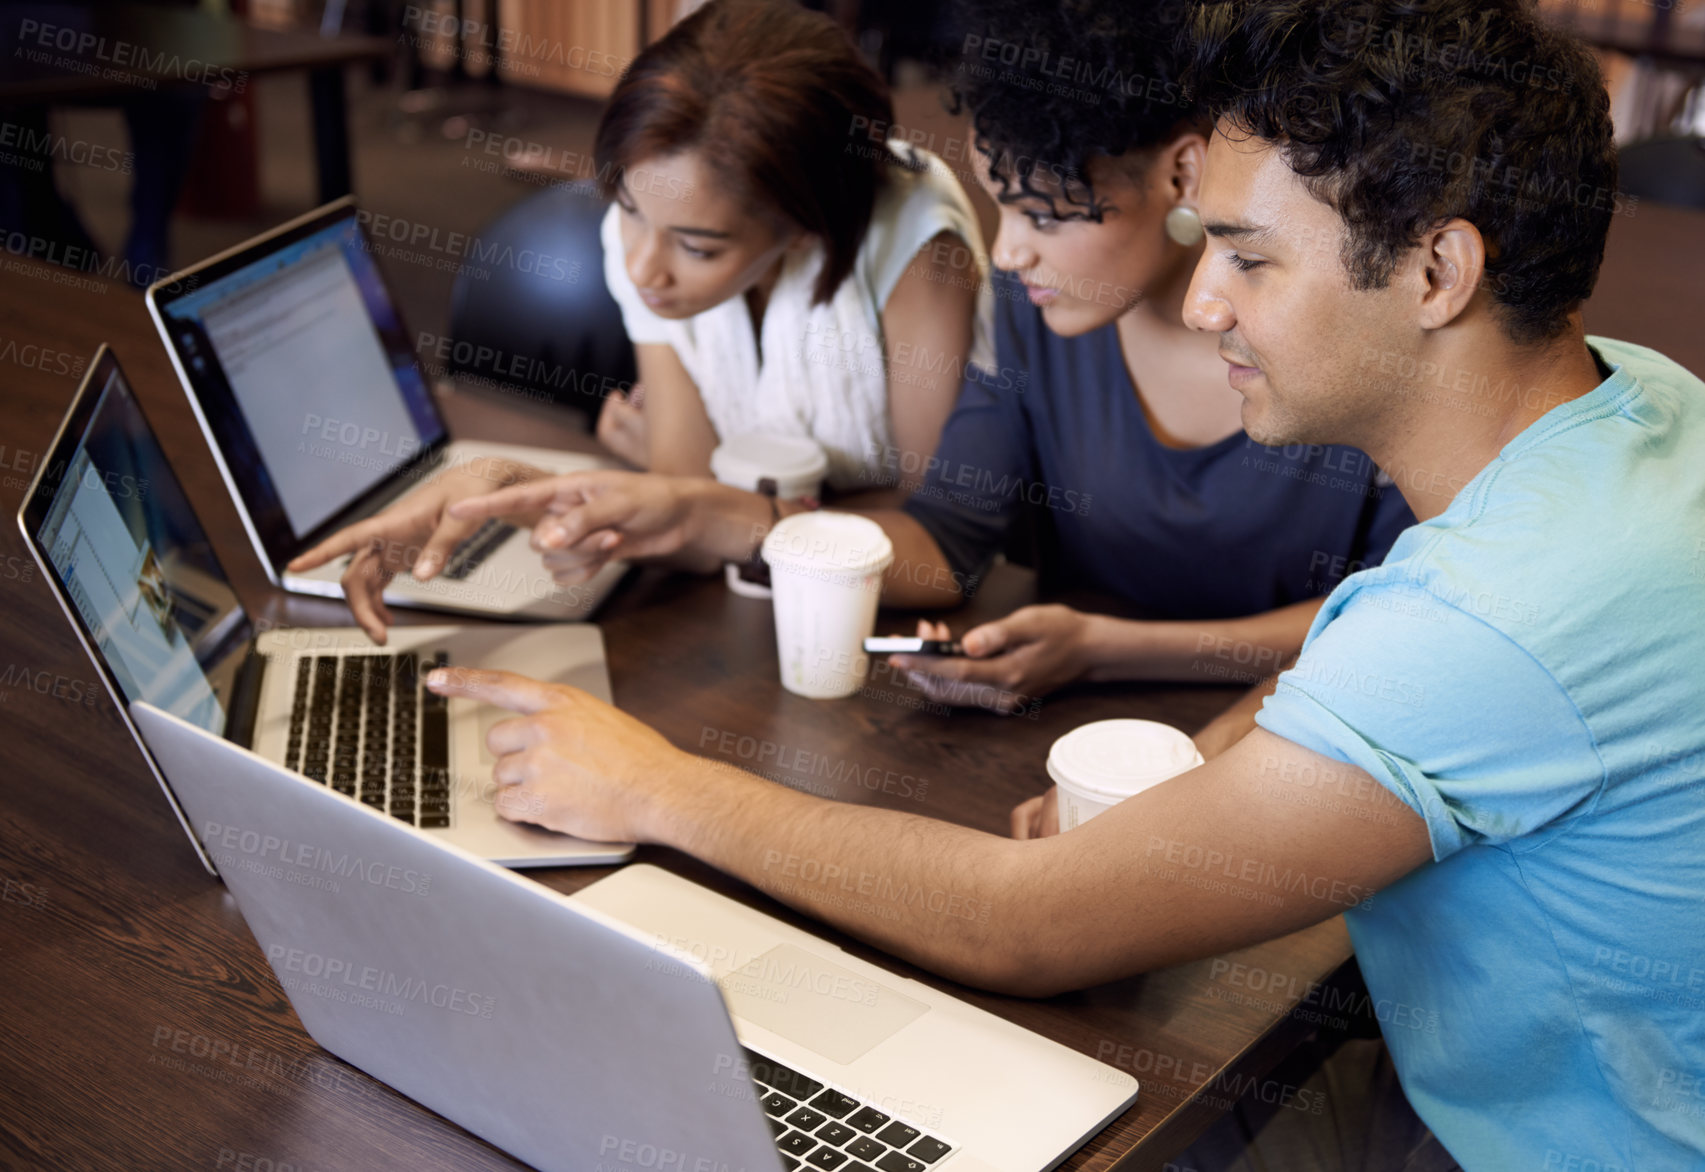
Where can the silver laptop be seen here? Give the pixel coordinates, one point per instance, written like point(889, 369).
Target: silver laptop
point(136, 576)
point(305, 383)
point(587, 1033)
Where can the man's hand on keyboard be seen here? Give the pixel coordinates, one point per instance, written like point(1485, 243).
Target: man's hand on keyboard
point(569, 761)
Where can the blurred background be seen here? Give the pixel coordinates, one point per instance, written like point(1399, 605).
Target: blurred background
point(444, 115)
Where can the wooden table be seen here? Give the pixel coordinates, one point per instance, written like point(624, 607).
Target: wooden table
point(89, 52)
point(144, 1027)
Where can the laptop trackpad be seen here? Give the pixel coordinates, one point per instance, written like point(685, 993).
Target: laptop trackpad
point(808, 999)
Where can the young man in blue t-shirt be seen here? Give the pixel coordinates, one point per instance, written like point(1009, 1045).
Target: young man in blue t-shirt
point(1489, 754)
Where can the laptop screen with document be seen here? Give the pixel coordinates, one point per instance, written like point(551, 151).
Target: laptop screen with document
point(301, 367)
point(113, 526)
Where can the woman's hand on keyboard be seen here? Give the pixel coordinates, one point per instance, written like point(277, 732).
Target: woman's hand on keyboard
point(417, 534)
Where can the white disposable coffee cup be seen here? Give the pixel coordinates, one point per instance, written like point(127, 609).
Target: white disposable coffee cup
point(1101, 764)
point(784, 466)
point(826, 574)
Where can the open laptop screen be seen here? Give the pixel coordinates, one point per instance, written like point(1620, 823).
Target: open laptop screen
point(302, 368)
point(118, 535)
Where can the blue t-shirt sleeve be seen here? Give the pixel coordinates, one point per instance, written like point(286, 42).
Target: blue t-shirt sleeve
point(1448, 713)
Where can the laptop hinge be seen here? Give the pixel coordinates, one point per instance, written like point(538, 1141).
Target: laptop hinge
point(245, 699)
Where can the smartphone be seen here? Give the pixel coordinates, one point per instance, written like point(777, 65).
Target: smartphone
point(904, 645)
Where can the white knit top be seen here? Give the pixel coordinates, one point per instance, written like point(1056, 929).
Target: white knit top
point(822, 372)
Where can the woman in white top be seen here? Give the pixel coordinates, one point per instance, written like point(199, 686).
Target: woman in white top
point(780, 268)
point(815, 370)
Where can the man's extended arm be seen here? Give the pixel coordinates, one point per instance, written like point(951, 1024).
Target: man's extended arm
point(1237, 851)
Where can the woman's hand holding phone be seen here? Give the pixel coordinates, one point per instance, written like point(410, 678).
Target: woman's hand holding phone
point(1008, 665)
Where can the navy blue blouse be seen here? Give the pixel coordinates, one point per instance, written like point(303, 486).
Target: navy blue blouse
point(1056, 438)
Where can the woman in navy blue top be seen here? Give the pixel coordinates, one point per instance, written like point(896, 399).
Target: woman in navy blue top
point(1109, 426)
point(1058, 441)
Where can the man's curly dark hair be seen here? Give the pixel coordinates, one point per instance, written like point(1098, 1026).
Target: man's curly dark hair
point(1402, 114)
point(1050, 84)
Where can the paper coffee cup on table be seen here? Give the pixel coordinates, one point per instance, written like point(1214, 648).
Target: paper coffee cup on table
point(826, 574)
point(1101, 764)
point(786, 467)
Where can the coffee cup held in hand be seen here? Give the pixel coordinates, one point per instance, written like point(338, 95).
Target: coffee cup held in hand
point(1099, 765)
point(826, 573)
point(787, 467)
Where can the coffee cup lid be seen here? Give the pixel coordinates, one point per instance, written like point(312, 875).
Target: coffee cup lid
point(828, 542)
point(747, 458)
point(1117, 758)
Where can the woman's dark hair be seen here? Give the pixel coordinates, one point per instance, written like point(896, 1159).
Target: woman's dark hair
point(786, 112)
point(1051, 84)
point(1403, 114)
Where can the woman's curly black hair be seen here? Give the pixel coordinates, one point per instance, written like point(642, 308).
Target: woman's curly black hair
point(1050, 84)
point(1402, 114)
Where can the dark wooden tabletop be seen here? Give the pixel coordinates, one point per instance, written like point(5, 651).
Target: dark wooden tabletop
point(144, 1027)
point(72, 51)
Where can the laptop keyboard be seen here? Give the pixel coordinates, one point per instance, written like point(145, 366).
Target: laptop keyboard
point(366, 725)
point(817, 1126)
point(478, 546)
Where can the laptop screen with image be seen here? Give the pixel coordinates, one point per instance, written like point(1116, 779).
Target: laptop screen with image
point(134, 564)
point(302, 367)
